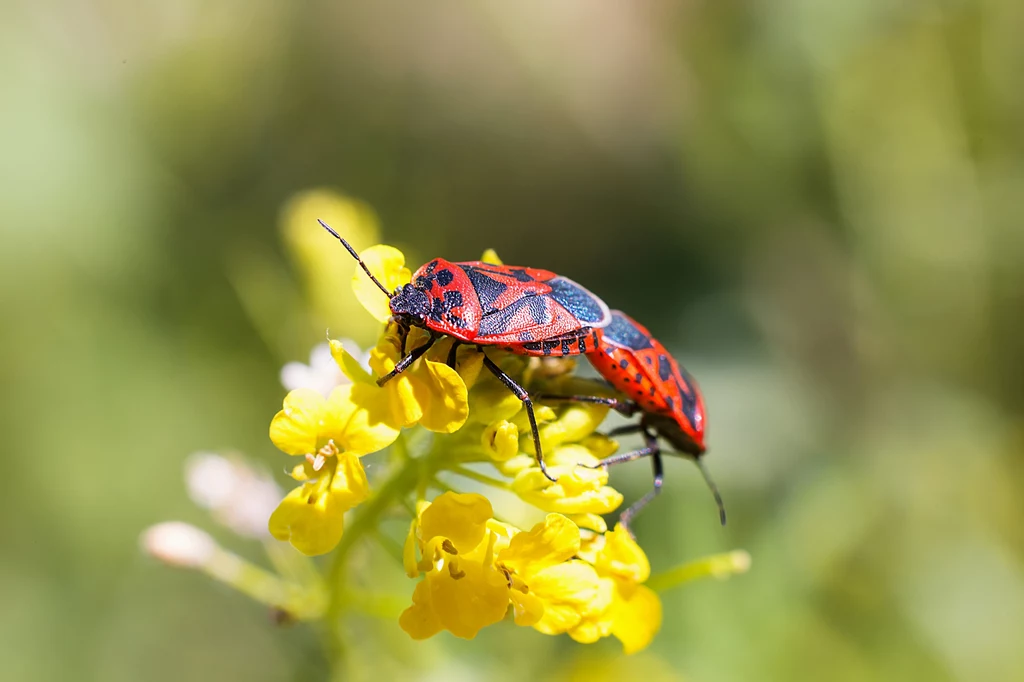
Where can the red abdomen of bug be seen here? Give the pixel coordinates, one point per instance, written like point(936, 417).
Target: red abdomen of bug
point(637, 365)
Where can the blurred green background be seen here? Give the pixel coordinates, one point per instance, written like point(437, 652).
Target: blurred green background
point(818, 206)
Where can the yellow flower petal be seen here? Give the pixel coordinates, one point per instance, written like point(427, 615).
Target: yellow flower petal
point(406, 407)
point(462, 518)
point(361, 415)
point(558, 618)
point(442, 394)
point(420, 620)
point(474, 600)
point(348, 364)
point(491, 401)
point(294, 430)
point(527, 609)
point(468, 362)
point(579, 490)
point(349, 486)
point(622, 557)
point(311, 527)
point(500, 440)
point(590, 522)
point(572, 582)
point(491, 256)
point(546, 544)
point(597, 614)
point(388, 265)
point(637, 619)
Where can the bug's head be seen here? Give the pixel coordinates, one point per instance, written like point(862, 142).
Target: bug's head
point(410, 302)
point(406, 301)
point(676, 430)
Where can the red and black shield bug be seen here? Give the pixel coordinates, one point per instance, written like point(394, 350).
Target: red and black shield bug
point(523, 310)
point(669, 400)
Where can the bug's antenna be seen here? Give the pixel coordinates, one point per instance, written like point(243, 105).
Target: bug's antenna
point(713, 487)
point(356, 256)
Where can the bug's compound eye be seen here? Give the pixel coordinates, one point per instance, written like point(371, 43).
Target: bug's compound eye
point(408, 300)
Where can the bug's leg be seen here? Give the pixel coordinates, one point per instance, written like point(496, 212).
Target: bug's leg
point(404, 363)
point(625, 430)
point(451, 353)
point(403, 334)
point(521, 393)
point(659, 476)
point(651, 449)
point(626, 408)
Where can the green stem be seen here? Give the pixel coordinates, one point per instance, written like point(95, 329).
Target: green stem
point(481, 478)
point(301, 602)
point(719, 566)
point(399, 485)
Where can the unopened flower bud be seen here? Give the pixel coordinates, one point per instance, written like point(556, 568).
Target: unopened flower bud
point(178, 544)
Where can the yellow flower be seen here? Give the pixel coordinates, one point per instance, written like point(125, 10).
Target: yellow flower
point(500, 440)
point(331, 434)
point(428, 393)
point(462, 591)
point(548, 588)
point(634, 614)
point(308, 422)
point(475, 567)
point(312, 516)
point(578, 490)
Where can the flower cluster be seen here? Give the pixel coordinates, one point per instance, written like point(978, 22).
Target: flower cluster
point(567, 574)
point(473, 568)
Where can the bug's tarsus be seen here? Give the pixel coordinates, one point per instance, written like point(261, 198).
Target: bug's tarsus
point(714, 488)
point(406, 361)
point(356, 256)
point(659, 477)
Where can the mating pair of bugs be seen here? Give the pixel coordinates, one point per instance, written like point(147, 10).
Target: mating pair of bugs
point(538, 313)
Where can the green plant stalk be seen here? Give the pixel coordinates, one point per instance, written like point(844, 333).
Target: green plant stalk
point(719, 566)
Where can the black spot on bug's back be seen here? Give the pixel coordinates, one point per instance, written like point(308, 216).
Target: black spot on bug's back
point(689, 399)
point(452, 299)
point(647, 359)
point(664, 367)
point(445, 277)
point(584, 306)
point(624, 333)
point(581, 346)
point(441, 308)
point(639, 377)
point(623, 364)
point(487, 288)
point(520, 274)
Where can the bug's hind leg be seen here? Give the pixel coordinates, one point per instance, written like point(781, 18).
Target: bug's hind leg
point(626, 408)
point(659, 476)
point(522, 394)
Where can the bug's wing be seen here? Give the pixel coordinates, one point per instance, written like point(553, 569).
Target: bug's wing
point(566, 310)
